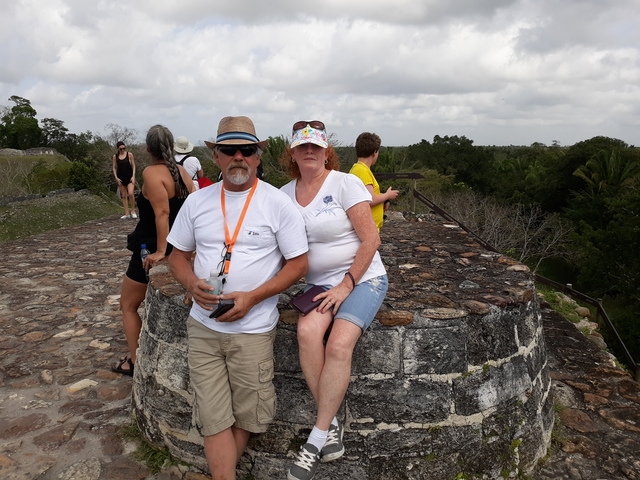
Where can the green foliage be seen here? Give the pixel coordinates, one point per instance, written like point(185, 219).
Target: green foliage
point(44, 178)
point(558, 303)
point(14, 171)
point(606, 172)
point(274, 173)
point(49, 213)
point(155, 458)
point(19, 128)
point(624, 314)
point(455, 156)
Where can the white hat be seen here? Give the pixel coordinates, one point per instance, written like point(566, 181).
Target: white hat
point(182, 145)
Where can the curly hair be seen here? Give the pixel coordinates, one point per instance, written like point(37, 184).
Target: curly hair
point(160, 143)
point(286, 160)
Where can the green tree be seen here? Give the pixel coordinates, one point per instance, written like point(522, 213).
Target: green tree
point(53, 132)
point(606, 172)
point(274, 173)
point(20, 129)
point(561, 172)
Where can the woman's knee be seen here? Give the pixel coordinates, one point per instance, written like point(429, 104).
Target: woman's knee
point(338, 349)
point(309, 331)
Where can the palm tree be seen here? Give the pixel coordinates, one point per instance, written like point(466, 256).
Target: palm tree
point(606, 172)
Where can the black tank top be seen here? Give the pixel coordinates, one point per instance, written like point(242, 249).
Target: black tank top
point(124, 169)
point(145, 231)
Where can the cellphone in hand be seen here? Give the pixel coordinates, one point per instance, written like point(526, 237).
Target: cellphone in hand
point(223, 307)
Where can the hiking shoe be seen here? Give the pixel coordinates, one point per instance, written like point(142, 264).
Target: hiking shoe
point(133, 215)
point(333, 447)
point(306, 463)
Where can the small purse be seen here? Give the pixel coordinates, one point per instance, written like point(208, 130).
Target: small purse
point(304, 303)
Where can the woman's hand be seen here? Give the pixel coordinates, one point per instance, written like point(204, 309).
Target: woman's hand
point(152, 259)
point(119, 182)
point(333, 298)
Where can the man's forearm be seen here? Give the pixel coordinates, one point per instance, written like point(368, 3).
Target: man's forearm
point(292, 271)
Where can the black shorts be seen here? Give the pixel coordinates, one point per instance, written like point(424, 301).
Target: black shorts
point(125, 182)
point(135, 271)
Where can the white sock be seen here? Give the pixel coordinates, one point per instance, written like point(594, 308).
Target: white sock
point(318, 437)
point(334, 422)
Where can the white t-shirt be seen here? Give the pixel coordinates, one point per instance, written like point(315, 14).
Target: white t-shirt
point(272, 229)
point(191, 165)
point(333, 242)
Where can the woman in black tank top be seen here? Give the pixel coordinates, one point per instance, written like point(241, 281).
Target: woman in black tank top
point(164, 189)
point(124, 170)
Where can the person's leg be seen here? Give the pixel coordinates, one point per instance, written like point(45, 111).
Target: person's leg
point(125, 200)
point(132, 198)
point(336, 373)
point(311, 329)
point(131, 297)
point(223, 451)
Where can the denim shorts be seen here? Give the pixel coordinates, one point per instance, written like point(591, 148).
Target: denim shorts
point(364, 301)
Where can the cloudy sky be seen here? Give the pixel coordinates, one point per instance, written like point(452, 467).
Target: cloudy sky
point(500, 72)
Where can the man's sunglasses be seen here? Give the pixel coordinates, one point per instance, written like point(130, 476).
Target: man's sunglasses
point(245, 150)
point(317, 124)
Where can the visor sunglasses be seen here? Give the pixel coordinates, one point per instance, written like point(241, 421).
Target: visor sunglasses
point(245, 150)
point(317, 124)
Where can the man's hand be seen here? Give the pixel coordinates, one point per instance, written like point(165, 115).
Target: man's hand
point(244, 302)
point(391, 194)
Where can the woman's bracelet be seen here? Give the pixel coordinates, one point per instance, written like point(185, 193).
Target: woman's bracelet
point(353, 280)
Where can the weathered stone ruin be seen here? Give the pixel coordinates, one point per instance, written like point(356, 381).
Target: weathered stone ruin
point(450, 380)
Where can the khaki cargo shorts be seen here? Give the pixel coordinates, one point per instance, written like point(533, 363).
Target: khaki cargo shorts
point(232, 377)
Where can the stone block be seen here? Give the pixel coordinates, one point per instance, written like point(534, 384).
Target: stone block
point(393, 400)
point(285, 350)
point(294, 400)
point(491, 337)
point(166, 317)
point(434, 351)
point(490, 387)
point(377, 351)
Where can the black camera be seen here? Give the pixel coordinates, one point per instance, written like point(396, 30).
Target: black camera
point(223, 307)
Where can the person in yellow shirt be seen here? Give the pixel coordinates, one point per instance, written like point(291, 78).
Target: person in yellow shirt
point(367, 149)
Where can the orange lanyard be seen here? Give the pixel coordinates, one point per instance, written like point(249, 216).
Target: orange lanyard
point(230, 242)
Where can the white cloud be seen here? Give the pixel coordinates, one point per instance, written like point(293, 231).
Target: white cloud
point(496, 71)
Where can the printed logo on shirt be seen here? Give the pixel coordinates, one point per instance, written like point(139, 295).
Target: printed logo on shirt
point(329, 206)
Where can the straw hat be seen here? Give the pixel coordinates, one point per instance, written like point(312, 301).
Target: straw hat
point(237, 131)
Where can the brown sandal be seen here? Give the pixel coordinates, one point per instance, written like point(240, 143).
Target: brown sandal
point(117, 367)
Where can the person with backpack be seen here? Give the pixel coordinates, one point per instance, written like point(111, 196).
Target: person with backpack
point(191, 164)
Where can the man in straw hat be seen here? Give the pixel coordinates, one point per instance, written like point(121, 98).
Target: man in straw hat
point(250, 243)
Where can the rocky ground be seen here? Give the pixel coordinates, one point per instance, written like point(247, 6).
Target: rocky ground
point(61, 409)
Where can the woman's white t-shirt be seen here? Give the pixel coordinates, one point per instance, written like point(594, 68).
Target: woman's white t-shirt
point(333, 242)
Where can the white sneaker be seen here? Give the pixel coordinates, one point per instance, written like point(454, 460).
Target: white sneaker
point(124, 216)
point(133, 215)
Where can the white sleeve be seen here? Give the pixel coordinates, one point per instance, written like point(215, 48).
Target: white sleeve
point(352, 191)
point(291, 236)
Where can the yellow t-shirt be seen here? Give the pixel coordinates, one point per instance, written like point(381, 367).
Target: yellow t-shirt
point(364, 173)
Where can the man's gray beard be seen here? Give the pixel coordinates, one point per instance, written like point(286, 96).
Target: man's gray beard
point(239, 178)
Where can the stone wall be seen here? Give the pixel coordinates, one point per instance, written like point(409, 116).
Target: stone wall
point(451, 378)
point(12, 152)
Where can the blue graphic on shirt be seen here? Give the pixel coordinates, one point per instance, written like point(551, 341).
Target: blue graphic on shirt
point(329, 206)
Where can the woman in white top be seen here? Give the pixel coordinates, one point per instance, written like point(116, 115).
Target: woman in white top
point(343, 259)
